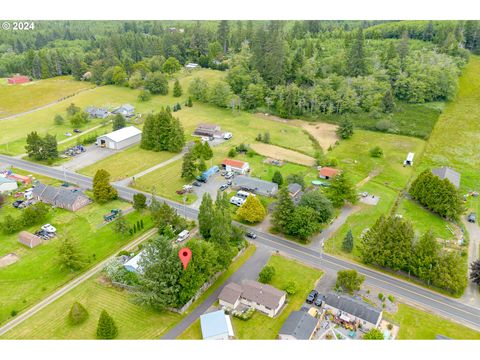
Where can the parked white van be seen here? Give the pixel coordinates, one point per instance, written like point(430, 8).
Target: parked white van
point(183, 235)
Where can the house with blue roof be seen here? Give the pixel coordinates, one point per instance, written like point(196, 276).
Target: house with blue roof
point(216, 325)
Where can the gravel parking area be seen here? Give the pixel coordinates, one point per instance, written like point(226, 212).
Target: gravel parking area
point(91, 156)
point(211, 186)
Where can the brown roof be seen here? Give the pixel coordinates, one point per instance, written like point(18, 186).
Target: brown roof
point(29, 239)
point(262, 294)
point(327, 171)
point(230, 293)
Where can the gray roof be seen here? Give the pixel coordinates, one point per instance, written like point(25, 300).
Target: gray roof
point(353, 306)
point(299, 324)
point(57, 195)
point(231, 293)
point(255, 184)
point(448, 173)
point(262, 294)
point(294, 188)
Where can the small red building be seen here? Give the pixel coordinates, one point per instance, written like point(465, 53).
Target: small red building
point(20, 178)
point(327, 173)
point(18, 79)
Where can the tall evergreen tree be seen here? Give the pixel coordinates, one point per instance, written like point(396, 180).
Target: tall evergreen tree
point(205, 214)
point(341, 190)
point(189, 168)
point(347, 244)
point(119, 122)
point(356, 62)
point(177, 89)
point(106, 328)
point(102, 190)
point(284, 209)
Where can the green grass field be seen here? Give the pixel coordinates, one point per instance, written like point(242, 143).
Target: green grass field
point(425, 116)
point(133, 321)
point(263, 327)
point(37, 273)
point(454, 141)
point(128, 163)
point(354, 157)
point(416, 324)
point(20, 98)
point(424, 220)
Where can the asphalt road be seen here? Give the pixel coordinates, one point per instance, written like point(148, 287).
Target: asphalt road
point(72, 284)
point(408, 292)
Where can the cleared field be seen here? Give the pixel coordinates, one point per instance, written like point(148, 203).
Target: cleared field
point(416, 324)
point(133, 321)
point(24, 97)
point(128, 163)
point(454, 140)
point(280, 153)
point(286, 270)
point(353, 156)
point(38, 273)
point(324, 133)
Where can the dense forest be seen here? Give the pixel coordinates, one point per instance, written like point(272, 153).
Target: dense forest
point(290, 68)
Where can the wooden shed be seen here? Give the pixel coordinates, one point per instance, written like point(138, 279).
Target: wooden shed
point(29, 239)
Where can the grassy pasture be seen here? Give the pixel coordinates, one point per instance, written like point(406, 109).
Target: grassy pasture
point(37, 273)
point(454, 141)
point(24, 97)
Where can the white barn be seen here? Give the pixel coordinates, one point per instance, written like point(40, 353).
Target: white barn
point(120, 139)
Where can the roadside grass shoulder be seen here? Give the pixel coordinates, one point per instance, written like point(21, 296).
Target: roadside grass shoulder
point(416, 324)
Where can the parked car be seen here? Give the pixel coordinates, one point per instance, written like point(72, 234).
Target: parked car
point(229, 175)
point(197, 183)
point(77, 131)
point(472, 217)
point(229, 182)
point(183, 235)
point(312, 296)
point(319, 300)
point(227, 136)
point(16, 204)
point(223, 172)
point(250, 235)
point(223, 187)
point(236, 201)
point(49, 228)
point(68, 134)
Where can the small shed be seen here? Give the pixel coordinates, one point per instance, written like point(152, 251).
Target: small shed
point(216, 325)
point(120, 139)
point(7, 185)
point(327, 173)
point(18, 79)
point(20, 178)
point(29, 239)
point(237, 166)
point(210, 130)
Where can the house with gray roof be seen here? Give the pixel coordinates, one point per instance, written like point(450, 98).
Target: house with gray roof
point(95, 112)
point(300, 325)
point(262, 297)
point(60, 197)
point(257, 186)
point(448, 173)
point(126, 110)
point(353, 310)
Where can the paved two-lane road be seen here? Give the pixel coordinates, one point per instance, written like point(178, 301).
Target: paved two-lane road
point(410, 293)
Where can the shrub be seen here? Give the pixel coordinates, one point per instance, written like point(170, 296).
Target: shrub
point(139, 201)
point(244, 315)
point(291, 288)
point(144, 95)
point(383, 125)
point(374, 334)
point(106, 328)
point(391, 298)
point(232, 153)
point(349, 280)
point(376, 152)
point(266, 274)
point(389, 326)
point(78, 314)
point(381, 297)
point(14, 313)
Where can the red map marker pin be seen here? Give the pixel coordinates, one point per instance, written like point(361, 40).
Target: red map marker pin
point(185, 254)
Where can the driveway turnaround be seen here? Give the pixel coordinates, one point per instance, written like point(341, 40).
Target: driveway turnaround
point(453, 309)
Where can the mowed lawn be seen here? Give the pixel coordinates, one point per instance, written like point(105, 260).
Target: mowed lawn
point(261, 326)
point(37, 273)
point(128, 162)
point(354, 157)
point(19, 98)
point(455, 140)
point(424, 220)
point(133, 321)
point(416, 324)
point(362, 219)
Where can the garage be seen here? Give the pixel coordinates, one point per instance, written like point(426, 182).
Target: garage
point(120, 139)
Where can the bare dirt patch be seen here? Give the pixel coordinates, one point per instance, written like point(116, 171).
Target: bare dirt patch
point(8, 259)
point(277, 152)
point(272, 117)
point(324, 133)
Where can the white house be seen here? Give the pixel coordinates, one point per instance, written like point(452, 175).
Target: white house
point(120, 139)
point(216, 325)
point(7, 185)
point(262, 297)
point(133, 264)
point(240, 167)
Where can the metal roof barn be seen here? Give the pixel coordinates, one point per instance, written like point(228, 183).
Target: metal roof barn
point(120, 139)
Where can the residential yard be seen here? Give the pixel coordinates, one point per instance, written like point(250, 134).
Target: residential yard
point(194, 332)
point(24, 97)
point(127, 163)
point(37, 273)
point(263, 327)
point(354, 157)
point(416, 324)
point(459, 125)
point(133, 321)
point(424, 220)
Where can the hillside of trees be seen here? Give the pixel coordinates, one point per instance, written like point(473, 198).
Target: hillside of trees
point(289, 68)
